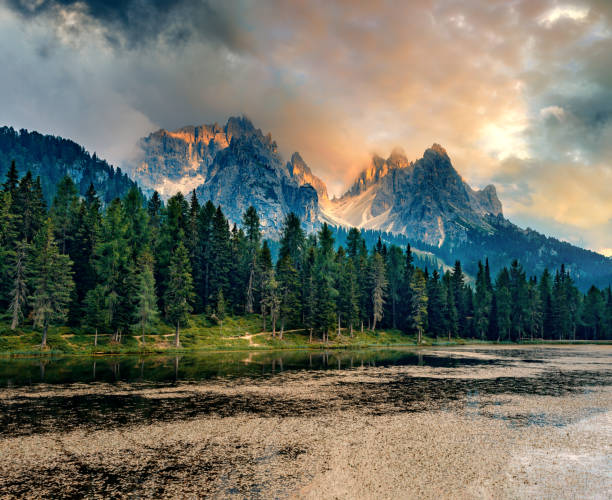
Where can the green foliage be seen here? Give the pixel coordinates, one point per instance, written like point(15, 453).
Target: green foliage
point(90, 269)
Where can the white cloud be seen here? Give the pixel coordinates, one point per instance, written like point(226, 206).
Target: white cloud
point(575, 13)
point(557, 111)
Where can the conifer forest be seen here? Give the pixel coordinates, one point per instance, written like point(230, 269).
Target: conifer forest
point(124, 266)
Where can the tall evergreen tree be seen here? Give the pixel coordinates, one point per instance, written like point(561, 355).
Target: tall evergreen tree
point(19, 292)
point(220, 258)
point(419, 303)
point(348, 296)
point(64, 212)
point(51, 281)
point(179, 293)
point(324, 274)
point(482, 302)
point(436, 306)
point(252, 229)
point(378, 284)
point(395, 275)
point(146, 310)
point(289, 291)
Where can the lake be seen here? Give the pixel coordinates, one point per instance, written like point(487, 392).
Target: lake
point(472, 422)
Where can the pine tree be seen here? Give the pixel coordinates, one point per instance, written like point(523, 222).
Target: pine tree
point(289, 291)
point(308, 291)
point(353, 243)
point(482, 302)
point(220, 258)
point(459, 296)
point(146, 310)
point(8, 233)
point(405, 291)
point(202, 280)
point(436, 306)
point(194, 247)
point(593, 314)
point(545, 292)
point(220, 310)
point(452, 317)
point(271, 299)
point(179, 293)
point(19, 292)
point(395, 275)
point(252, 228)
point(12, 181)
point(533, 310)
point(264, 269)
point(518, 293)
point(504, 305)
point(292, 240)
point(348, 307)
point(95, 310)
point(378, 282)
point(324, 281)
point(64, 211)
point(419, 303)
point(111, 262)
point(51, 283)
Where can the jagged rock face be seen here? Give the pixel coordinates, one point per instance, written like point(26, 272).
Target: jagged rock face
point(426, 200)
point(179, 160)
point(235, 166)
point(251, 172)
point(303, 175)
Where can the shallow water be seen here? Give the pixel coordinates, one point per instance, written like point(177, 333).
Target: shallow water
point(17, 372)
point(52, 401)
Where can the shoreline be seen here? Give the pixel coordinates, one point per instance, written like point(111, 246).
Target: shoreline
point(37, 353)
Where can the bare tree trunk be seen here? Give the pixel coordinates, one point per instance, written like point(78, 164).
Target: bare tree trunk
point(310, 339)
point(96, 338)
point(420, 333)
point(338, 324)
point(144, 340)
point(249, 300)
point(263, 316)
point(43, 344)
point(351, 329)
point(273, 326)
point(282, 329)
point(361, 326)
point(176, 336)
point(374, 324)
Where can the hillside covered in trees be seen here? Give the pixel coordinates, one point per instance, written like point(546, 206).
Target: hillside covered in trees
point(51, 158)
point(124, 268)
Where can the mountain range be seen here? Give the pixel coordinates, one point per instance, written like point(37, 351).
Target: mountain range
point(423, 201)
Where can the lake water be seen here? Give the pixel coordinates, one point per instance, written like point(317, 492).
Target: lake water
point(289, 423)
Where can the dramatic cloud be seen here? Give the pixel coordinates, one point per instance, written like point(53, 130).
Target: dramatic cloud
point(519, 93)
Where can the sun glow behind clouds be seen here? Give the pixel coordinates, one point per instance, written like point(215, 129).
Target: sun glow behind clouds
point(572, 12)
point(504, 138)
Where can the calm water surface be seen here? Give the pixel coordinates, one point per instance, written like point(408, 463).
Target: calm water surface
point(19, 372)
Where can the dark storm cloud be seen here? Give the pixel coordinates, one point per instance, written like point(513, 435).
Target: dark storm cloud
point(134, 23)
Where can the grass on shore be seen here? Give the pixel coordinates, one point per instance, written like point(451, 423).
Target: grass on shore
point(236, 333)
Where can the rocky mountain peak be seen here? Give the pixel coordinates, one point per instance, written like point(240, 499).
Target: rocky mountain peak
point(300, 171)
point(436, 149)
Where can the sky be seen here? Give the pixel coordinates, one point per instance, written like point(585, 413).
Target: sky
point(519, 92)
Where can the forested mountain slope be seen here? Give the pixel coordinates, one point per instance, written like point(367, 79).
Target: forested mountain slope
point(52, 158)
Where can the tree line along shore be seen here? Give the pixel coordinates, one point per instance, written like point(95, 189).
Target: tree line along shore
point(139, 273)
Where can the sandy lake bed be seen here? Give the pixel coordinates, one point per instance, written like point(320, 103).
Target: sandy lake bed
point(461, 422)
